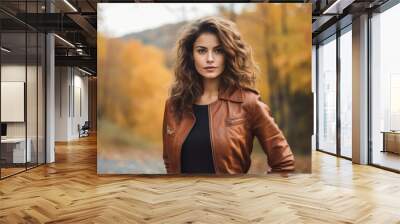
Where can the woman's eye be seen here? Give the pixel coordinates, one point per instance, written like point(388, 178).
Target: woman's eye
point(219, 51)
point(201, 51)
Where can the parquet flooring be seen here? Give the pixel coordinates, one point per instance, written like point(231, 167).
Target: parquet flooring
point(70, 191)
point(10, 171)
point(387, 159)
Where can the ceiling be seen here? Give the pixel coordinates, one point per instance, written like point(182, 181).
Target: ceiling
point(76, 22)
point(331, 15)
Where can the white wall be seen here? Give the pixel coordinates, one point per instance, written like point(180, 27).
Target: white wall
point(71, 93)
point(12, 73)
point(61, 103)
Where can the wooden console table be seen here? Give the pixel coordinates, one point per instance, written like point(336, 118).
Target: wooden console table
point(391, 141)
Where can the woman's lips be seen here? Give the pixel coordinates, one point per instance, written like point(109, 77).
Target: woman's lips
point(210, 69)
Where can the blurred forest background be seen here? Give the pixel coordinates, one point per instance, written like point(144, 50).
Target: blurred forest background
point(135, 73)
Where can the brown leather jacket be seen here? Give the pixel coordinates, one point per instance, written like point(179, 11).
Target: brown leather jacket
point(234, 121)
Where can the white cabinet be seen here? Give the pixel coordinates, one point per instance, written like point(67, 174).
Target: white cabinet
point(18, 149)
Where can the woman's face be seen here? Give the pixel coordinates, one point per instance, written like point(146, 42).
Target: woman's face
point(208, 56)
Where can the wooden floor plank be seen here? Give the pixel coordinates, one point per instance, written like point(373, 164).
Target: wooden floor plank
point(70, 191)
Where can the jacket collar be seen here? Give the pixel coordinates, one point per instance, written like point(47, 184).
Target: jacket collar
point(235, 95)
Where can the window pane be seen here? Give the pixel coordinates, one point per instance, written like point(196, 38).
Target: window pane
point(327, 96)
point(14, 150)
point(31, 101)
point(345, 94)
point(386, 89)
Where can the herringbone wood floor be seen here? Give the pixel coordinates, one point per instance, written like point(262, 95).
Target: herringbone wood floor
point(70, 191)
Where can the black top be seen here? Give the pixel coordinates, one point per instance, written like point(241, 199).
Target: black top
point(196, 155)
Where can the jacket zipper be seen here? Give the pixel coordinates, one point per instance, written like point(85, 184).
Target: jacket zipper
point(180, 147)
point(211, 138)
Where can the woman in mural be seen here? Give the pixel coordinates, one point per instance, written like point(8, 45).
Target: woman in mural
point(213, 112)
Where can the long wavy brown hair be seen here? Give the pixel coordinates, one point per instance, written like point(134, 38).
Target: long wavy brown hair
point(240, 68)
